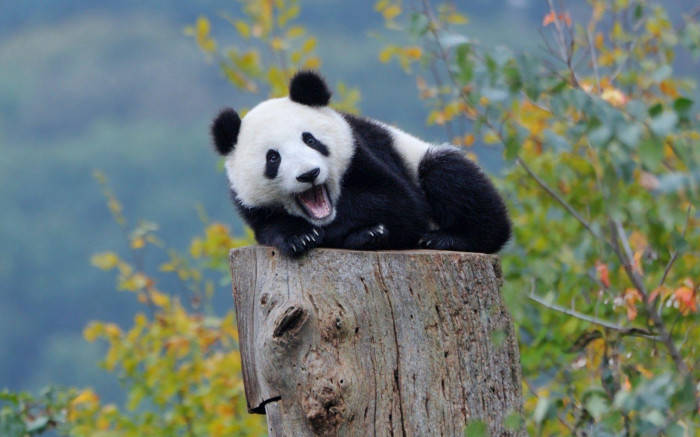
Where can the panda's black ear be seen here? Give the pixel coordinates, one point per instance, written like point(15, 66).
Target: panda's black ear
point(309, 88)
point(225, 129)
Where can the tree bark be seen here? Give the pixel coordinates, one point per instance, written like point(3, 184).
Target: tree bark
point(349, 343)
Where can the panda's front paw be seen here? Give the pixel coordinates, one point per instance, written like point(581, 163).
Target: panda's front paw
point(437, 240)
point(297, 245)
point(371, 238)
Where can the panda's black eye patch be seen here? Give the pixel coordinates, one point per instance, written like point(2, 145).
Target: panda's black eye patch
point(315, 144)
point(272, 163)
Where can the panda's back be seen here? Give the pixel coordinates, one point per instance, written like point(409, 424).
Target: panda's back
point(378, 143)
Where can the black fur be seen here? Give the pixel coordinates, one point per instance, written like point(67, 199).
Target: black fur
point(309, 88)
point(380, 207)
point(273, 226)
point(315, 144)
point(225, 130)
point(470, 214)
point(380, 204)
point(272, 163)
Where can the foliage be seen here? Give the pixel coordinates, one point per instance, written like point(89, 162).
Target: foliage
point(179, 362)
point(22, 414)
point(274, 49)
point(601, 143)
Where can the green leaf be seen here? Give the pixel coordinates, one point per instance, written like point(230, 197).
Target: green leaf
point(600, 136)
point(637, 109)
point(682, 105)
point(656, 109)
point(494, 94)
point(512, 148)
point(555, 141)
point(476, 428)
point(662, 73)
point(543, 409)
point(651, 152)
point(629, 134)
point(596, 406)
point(664, 123)
point(449, 40)
point(419, 24)
point(513, 421)
point(465, 66)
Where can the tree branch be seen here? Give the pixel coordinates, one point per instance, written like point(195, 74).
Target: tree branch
point(594, 320)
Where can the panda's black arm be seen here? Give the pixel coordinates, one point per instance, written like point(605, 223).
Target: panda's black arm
point(292, 235)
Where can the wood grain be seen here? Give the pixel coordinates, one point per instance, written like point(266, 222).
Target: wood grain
point(350, 343)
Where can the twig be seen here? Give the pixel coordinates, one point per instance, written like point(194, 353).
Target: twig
point(593, 58)
point(675, 253)
point(590, 319)
point(626, 258)
point(562, 202)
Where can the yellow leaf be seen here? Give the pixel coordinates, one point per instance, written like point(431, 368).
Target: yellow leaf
point(599, 40)
point(386, 53)
point(312, 63)
point(391, 12)
point(112, 330)
point(135, 282)
point(202, 26)
point(86, 396)
point(196, 248)
point(92, 331)
point(277, 44)
point(631, 297)
point(667, 87)
point(159, 299)
point(105, 260)
point(295, 32)
point(137, 243)
point(309, 45)
point(413, 52)
point(491, 138)
point(455, 18)
point(469, 139)
point(614, 96)
point(242, 28)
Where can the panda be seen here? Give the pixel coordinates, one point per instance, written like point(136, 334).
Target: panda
point(304, 175)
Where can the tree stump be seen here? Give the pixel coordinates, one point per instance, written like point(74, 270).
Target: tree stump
point(350, 343)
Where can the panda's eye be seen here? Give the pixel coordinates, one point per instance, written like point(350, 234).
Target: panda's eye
point(308, 139)
point(273, 156)
point(315, 144)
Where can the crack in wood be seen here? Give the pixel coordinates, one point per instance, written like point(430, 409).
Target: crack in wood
point(397, 375)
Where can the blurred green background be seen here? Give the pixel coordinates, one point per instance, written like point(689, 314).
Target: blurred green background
point(118, 87)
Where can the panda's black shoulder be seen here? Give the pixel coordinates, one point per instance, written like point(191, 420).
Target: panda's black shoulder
point(369, 132)
point(375, 149)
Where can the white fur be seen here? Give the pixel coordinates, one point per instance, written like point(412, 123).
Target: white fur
point(278, 124)
point(410, 149)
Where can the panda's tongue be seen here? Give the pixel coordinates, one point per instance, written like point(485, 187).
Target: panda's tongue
point(316, 202)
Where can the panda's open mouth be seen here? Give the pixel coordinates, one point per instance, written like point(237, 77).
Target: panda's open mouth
point(315, 202)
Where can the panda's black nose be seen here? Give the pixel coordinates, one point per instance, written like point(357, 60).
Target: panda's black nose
point(310, 176)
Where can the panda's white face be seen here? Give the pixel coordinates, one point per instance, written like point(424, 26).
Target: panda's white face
point(291, 155)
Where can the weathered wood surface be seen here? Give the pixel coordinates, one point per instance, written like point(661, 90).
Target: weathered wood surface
point(348, 343)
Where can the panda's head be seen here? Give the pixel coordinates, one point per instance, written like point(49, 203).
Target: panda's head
point(290, 152)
